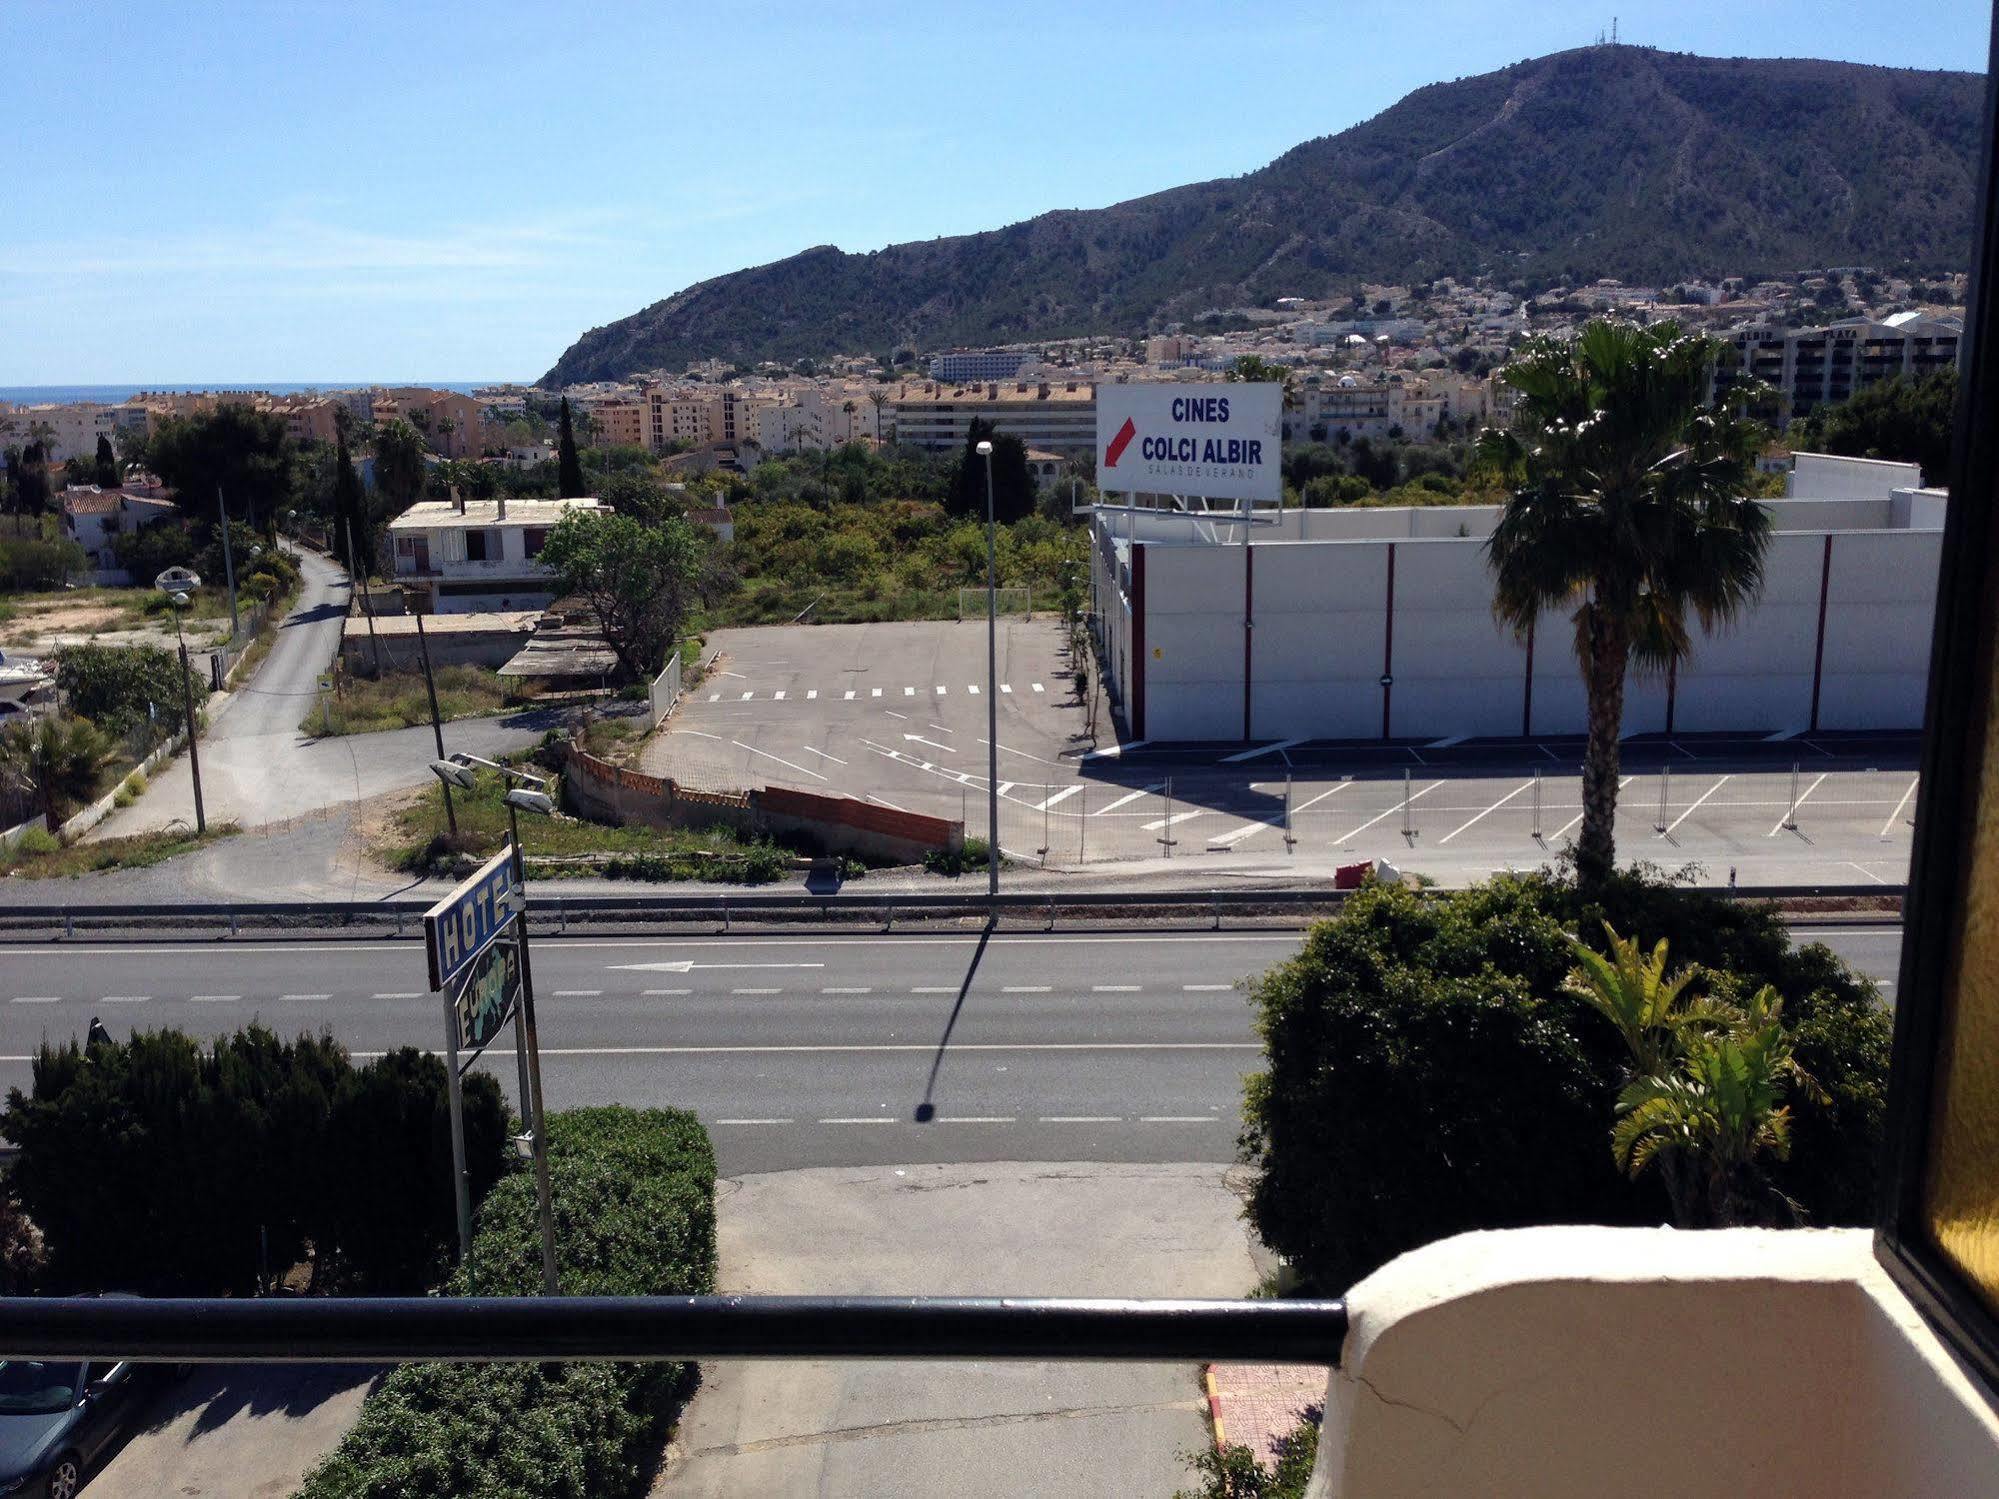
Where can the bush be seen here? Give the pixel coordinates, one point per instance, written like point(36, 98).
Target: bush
point(36, 842)
point(1234, 1473)
point(28, 562)
point(1428, 1076)
point(123, 688)
point(634, 1195)
point(164, 1167)
point(974, 854)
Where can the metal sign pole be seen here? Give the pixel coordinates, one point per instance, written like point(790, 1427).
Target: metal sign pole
point(530, 1125)
point(1408, 827)
point(1665, 783)
point(461, 1187)
point(1791, 817)
point(543, 1191)
point(1537, 806)
point(1289, 841)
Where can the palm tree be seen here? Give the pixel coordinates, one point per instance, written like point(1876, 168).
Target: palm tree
point(1627, 509)
point(57, 761)
point(878, 398)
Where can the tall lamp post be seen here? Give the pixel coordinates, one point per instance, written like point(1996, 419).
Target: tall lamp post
point(177, 583)
point(992, 694)
point(526, 795)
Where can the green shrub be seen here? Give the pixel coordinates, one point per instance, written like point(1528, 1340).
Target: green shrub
point(1232, 1472)
point(953, 862)
point(29, 562)
point(634, 1195)
point(36, 842)
point(122, 688)
point(1426, 1075)
point(162, 1166)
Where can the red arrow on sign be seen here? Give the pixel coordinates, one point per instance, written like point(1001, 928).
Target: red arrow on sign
point(1119, 443)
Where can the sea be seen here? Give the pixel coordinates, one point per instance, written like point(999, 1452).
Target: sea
point(112, 395)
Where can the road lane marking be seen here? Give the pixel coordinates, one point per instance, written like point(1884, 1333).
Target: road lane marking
point(1866, 871)
point(756, 991)
point(942, 730)
point(1025, 988)
point(751, 1121)
point(874, 692)
point(1129, 796)
point(699, 735)
point(714, 697)
point(1006, 687)
point(935, 989)
point(1081, 1119)
point(1887, 826)
point(303, 999)
point(778, 696)
point(822, 754)
point(871, 1119)
point(940, 689)
point(1523, 786)
point(802, 770)
point(927, 1048)
point(811, 693)
point(656, 992)
point(1007, 749)
point(1115, 988)
point(389, 994)
point(1179, 1119)
point(1207, 988)
point(909, 692)
point(978, 1119)
point(1038, 687)
point(1792, 811)
point(848, 989)
point(36, 999)
point(1696, 804)
point(687, 965)
point(577, 993)
point(1005, 787)
point(972, 688)
point(746, 697)
point(1061, 796)
point(893, 714)
point(213, 999)
point(847, 696)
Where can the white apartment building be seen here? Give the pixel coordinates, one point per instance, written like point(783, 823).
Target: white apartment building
point(1057, 418)
point(1350, 407)
point(71, 430)
point(1810, 367)
point(819, 417)
point(971, 365)
point(473, 556)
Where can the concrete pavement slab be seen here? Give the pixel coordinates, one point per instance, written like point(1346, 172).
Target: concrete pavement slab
point(962, 1429)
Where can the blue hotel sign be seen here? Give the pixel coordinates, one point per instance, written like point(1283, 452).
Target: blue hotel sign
point(462, 925)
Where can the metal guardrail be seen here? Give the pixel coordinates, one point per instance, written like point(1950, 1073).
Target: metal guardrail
point(638, 1328)
point(554, 913)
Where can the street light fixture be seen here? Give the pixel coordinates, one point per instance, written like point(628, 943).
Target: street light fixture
point(985, 451)
point(177, 584)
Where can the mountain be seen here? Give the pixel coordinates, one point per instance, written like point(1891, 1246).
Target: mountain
point(1605, 161)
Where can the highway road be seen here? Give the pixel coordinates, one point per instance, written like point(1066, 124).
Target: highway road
point(797, 1050)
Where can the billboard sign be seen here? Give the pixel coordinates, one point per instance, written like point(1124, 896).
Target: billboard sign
point(462, 925)
point(1220, 441)
point(484, 996)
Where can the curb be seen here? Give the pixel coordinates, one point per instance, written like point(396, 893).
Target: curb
point(1214, 1407)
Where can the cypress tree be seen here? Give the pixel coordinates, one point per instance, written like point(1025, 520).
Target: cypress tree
point(569, 468)
point(348, 509)
point(107, 464)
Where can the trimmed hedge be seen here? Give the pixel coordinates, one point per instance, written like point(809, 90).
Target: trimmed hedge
point(634, 1215)
point(1427, 1075)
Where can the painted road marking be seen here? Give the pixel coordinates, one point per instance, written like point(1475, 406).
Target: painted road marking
point(811, 693)
point(1025, 988)
point(1313, 801)
point(861, 989)
point(872, 1119)
point(302, 999)
point(802, 770)
point(909, 692)
point(978, 1119)
point(752, 1121)
point(577, 993)
point(1039, 688)
point(1115, 988)
point(1230, 840)
point(1167, 822)
point(1081, 1119)
point(893, 714)
point(929, 743)
point(36, 999)
point(213, 999)
point(756, 991)
point(1622, 783)
point(936, 989)
point(1206, 988)
point(1006, 687)
point(1115, 750)
point(822, 754)
point(657, 992)
point(1061, 796)
point(1792, 811)
point(714, 697)
point(973, 688)
point(1523, 786)
point(940, 689)
point(942, 730)
point(1389, 813)
point(1179, 1119)
point(137, 999)
point(699, 735)
point(398, 994)
point(1005, 787)
point(1696, 804)
point(847, 696)
point(778, 696)
point(1892, 816)
point(1129, 796)
point(686, 965)
point(926, 1048)
point(874, 692)
point(884, 801)
point(1275, 747)
point(746, 697)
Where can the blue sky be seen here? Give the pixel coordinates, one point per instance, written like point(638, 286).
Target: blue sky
point(206, 192)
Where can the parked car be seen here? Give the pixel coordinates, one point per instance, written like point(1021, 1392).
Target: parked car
point(56, 1417)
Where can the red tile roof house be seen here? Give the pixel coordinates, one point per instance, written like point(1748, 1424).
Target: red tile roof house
point(93, 518)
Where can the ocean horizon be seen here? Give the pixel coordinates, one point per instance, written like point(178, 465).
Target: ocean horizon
point(112, 395)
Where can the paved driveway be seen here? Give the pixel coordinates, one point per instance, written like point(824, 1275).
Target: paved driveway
point(967, 1430)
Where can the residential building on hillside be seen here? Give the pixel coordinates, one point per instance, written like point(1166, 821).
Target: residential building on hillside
point(1058, 418)
point(95, 518)
point(472, 556)
point(675, 416)
point(1809, 367)
point(620, 421)
point(69, 431)
point(965, 365)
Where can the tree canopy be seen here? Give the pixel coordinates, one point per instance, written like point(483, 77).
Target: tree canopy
point(244, 454)
point(639, 579)
point(569, 471)
point(1903, 418)
point(1013, 486)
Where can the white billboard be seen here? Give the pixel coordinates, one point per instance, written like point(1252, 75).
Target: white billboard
point(1223, 441)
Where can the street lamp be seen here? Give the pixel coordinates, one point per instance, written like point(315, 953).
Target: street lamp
point(177, 583)
point(526, 795)
point(985, 451)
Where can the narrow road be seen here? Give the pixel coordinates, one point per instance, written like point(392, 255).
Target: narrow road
point(797, 1050)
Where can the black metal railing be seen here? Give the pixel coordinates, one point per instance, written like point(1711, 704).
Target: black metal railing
point(497, 1329)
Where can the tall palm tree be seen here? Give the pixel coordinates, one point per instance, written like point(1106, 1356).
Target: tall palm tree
point(1627, 509)
point(878, 399)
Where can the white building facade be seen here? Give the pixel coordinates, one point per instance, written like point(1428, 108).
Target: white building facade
point(477, 556)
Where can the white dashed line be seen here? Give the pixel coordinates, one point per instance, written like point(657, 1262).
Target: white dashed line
point(397, 994)
point(847, 696)
point(1006, 687)
point(1179, 1119)
point(980, 1119)
point(1114, 988)
point(1025, 988)
point(973, 688)
point(1892, 816)
point(936, 989)
point(1792, 812)
point(656, 992)
point(870, 1120)
point(756, 991)
point(860, 989)
point(874, 692)
point(577, 993)
point(1039, 688)
point(213, 999)
point(811, 693)
point(752, 1121)
point(302, 999)
point(714, 697)
point(778, 696)
point(746, 697)
point(126, 999)
point(1206, 988)
point(909, 692)
point(1080, 1119)
point(940, 689)
point(36, 999)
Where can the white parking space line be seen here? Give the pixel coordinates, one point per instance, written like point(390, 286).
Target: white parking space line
point(1274, 747)
point(1866, 871)
point(1129, 796)
point(1791, 811)
point(1039, 688)
point(1231, 839)
point(972, 688)
point(1696, 804)
point(1313, 801)
point(1167, 822)
point(1888, 826)
point(822, 754)
point(746, 697)
point(1471, 821)
point(802, 770)
point(811, 693)
point(893, 714)
point(942, 730)
point(1389, 812)
point(699, 735)
point(1007, 749)
point(1623, 781)
point(778, 695)
point(847, 696)
point(1006, 687)
point(1005, 787)
point(1061, 796)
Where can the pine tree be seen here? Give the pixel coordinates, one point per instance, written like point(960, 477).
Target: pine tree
point(569, 468)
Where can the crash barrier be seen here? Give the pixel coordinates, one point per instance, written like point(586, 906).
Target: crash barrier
point(555, 914)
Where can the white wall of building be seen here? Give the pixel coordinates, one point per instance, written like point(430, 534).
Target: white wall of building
point(1832, 477)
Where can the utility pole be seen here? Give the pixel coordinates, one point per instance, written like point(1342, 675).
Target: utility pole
point(228, 565)
point(367, 602)
point(992, 693)
point(543, 1189)
point(436, 722)
point(193, 751)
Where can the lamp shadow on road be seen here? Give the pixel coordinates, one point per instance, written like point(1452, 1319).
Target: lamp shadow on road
point(927, 1110)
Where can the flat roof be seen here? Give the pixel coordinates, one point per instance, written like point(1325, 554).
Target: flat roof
point(442, 515)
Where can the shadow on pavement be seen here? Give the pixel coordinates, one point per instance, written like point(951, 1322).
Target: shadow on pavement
point(927, 1110)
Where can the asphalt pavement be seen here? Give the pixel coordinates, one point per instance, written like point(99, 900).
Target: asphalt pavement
point(818, 1050)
